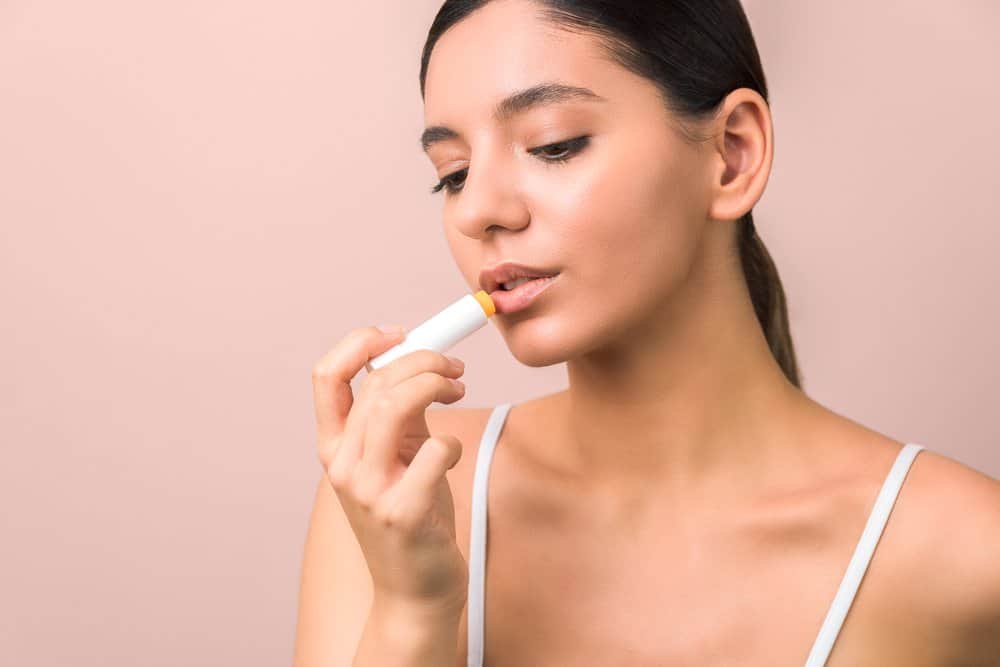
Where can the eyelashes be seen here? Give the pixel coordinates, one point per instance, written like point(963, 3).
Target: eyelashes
point(566, 150)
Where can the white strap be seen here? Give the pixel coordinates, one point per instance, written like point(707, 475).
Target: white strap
point(862, 556)
point(477, 535)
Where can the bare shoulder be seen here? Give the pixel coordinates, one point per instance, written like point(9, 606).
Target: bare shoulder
point(960, 509)
point(953, 523)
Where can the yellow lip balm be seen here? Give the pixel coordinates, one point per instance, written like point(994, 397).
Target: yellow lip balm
point(443, 330)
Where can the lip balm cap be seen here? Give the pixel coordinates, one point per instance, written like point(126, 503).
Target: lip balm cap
point(486, 302)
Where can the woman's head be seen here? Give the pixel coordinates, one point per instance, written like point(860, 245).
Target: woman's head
point(663, 145)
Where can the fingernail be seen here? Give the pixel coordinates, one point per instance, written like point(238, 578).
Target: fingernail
point(391, 329)
point(456, 362)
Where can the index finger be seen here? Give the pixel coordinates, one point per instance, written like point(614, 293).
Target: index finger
point(332, 374)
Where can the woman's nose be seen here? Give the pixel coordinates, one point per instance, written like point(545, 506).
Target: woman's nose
point(489, 198)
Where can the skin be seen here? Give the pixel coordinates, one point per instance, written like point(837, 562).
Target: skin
point(673, 391)
point(676, 413)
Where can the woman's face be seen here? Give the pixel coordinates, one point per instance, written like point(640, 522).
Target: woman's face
point(621, 218)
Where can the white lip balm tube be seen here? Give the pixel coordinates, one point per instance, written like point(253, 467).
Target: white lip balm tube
point(442, 331)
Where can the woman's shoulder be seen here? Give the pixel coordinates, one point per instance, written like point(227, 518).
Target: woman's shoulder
point(956, 515)
point(945, 526)
point(949, 514)
point(961, 506)
point(945, 549)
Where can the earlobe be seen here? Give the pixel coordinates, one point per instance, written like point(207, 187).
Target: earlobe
point(744, 148)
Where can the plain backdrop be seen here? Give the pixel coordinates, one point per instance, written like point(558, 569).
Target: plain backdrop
point(197, 199)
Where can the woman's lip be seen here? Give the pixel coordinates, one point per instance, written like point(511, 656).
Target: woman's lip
point(521, 296)
point(492, 278)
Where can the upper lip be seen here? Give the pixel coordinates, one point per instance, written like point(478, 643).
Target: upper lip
point(492, 277)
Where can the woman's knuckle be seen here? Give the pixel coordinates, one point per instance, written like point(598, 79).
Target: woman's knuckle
point(388, 512)
point(429, 380)
point(363, 498)
point(384, 405)
point(338, 475)
point(363, 488)
point(382, 513)
point(375, 380)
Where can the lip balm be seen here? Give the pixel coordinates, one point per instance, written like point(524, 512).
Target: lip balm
point(442, 331)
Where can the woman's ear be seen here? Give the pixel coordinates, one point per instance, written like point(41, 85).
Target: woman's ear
point(743, 147)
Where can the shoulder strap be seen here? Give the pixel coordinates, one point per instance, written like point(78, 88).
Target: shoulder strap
point(477, 534)
point(862, 555)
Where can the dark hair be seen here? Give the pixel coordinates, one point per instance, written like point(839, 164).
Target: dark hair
point(696, 52)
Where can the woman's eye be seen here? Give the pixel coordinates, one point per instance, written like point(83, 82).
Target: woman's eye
point(562, 150)
point(558, 152)
point(448, 182)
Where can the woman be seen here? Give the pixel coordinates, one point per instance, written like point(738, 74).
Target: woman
point(682, 502)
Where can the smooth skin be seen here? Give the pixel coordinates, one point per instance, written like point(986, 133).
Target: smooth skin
point(387, 473)
point(680, 502)
point(389, 477)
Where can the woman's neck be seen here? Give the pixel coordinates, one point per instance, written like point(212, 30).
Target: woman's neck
point(684, 408)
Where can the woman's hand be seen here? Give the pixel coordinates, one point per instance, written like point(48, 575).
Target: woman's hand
point(389, 472)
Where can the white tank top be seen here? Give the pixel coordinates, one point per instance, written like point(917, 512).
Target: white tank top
point(834, 618)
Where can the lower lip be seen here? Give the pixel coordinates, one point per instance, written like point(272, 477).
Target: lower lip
point(521, 296)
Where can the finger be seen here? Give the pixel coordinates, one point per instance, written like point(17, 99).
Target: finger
point(415, 494)
point(394, 410)
point(379, 382)
point(331, 376)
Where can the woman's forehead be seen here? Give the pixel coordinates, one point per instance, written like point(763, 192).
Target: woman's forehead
point(503, 48)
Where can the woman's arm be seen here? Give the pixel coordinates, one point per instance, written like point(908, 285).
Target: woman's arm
point(335, 590)
point(336, 595)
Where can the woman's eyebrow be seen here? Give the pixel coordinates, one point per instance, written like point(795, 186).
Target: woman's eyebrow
point(519, 102)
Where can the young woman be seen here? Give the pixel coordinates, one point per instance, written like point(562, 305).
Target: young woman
point(683, 501)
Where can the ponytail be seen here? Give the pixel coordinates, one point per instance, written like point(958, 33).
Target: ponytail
point(768, 297)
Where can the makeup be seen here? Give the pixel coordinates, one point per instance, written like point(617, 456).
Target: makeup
point(443, 330)
point(522, 296)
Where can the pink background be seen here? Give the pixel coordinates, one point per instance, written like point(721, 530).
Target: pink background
point(197, 199)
